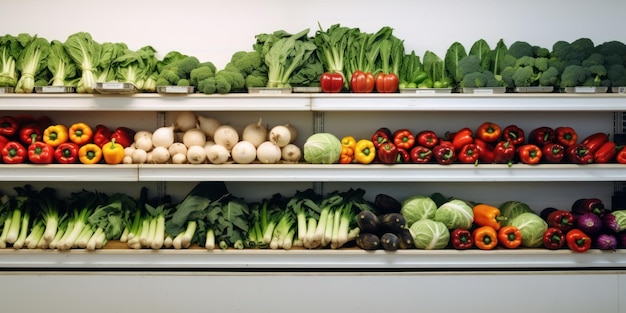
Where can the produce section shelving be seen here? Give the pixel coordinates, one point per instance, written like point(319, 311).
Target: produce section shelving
point(119, 257)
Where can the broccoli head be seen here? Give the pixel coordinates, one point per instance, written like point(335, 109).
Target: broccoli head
point(525, 61)
point(246, 61)
point(599, 73)
point(207, 86)
point(575, 75)
point(541, 64)
point(222, 85)
point(160, 82)
point(613, 48)
point(183, 83)
point(507, 76)
point(256, 79)
point(186, 65)
point(474, 80)
point(235, 80)
point(524, 77)
point(549, 77)
point(617, 75)
point(200, 73)
point(519, 49)
point(575, 52)
point(467, 65)
point(593, 59)
point(541, 52)
point(170, 76)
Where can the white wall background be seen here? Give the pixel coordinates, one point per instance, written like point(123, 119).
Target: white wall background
point(213, 30)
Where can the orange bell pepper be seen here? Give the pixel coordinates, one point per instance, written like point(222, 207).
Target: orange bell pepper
point(348, 143)
point(510, 237)
point(113, 152)
point(364, 151)
point(487, 215)
point(80, 133)
point(54, 135)
point(90, 153)
point(485, 237)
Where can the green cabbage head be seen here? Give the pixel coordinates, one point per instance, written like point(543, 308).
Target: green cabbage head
point(455, 214)
point(322, 148)
point(418, 208)
point(511, 209)
point(620, 219)
point(532, 227)
point(430, 235)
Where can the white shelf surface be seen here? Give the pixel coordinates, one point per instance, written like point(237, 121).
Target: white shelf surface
point(314, 172)
point(250, 259)
point(314, 102)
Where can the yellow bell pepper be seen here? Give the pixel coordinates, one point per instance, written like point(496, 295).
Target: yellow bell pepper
point(364, 151)
point(54, 135)
point(90, 153)
point(113, 152)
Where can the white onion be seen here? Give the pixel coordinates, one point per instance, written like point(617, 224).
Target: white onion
point(142, 133)
point(208, 125)
point(196, 155)
point(179, 158)
point(160, 155)
point(140, 156)
point(163, 137)
point(177, 147)
point(226, 136)
point(186, 120)
point(291, 153)
point(293, 131)
point(194, 137)
point(268, 153)
point(280, 135)
point(244, 152)
point(144, 143)
point(217, 154)
point(254, 133)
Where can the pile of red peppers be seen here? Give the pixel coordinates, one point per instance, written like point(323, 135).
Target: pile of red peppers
point(38, 140)
point(491, 143)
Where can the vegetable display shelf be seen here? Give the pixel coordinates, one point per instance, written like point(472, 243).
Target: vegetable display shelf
point(319, 259)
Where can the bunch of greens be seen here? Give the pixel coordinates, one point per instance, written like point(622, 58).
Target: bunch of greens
point(363, 51)
point(86, 53)
point(332, 46)
point(10, 49)
point(135, 67)
point(32, 64)
point(285, 55)
point(61, 66)
point(105, 70)
point(411, 72)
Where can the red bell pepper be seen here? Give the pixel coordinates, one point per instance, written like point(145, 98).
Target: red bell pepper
point(40, 152)
point(577, 240)
point(541, 136)
point(461, 239)
point(8, 126)
point(579, 154)
point(427, 138)
point(566, 136)
point(594, 141)
point(66, 153)
point(488, 132)
point(529, 154)
point(362, 82)
point(403, 139)
point(381, 136)
point(124, 136)
point(469, 154)
point(605, 153)
point(386, 83)
point(14, 152)
point(621, 155)
point(461, 138)
point(561, 219)
point(102, 135)
point(27, 132)
point(331, 82)
point(403, 156)
point(553, 238)
point(421, 154)
point(444, 153)
point(485, 151)
point(387, 153)
point(504, 152)
point(553, 152)
point(513, 134)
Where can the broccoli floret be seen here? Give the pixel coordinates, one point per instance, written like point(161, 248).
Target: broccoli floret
point(200, 73)
point(519, 49)
point(541, 52)
point(507, 76)
point(235, 80)
point(186, 65)
point(613, 48)
point(598, 73)
point(207, 86)
point(209, 64)
point(525, 61)
point(183, 83)
point(549, 77)
point(246, 61)
point(617, 75)
point(575, 75)
point(467, 65)
point(160, 82)
point(541, 64)
point(575, 52)
point(508, 61)
point(474, 80)
point(524, 77)
point(170, 76)
point(222, 85)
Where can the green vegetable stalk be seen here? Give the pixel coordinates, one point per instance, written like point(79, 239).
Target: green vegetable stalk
point(86, 54)
point(285, 56)
point(31, 61)
point(10, 49)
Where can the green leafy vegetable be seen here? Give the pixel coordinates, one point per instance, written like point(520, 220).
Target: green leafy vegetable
point(30, 62)
point(417, 208)
point(10, 49)
point(429, 234)
point(86, 54)
point(61, 65)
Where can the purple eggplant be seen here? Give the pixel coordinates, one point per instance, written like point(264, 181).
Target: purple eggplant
point(606, 242)
point(589, 223)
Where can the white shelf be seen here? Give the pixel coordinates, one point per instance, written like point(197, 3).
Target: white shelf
point(155, 102)
point(256, 259)
point(314, 102)
point(314, 172)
